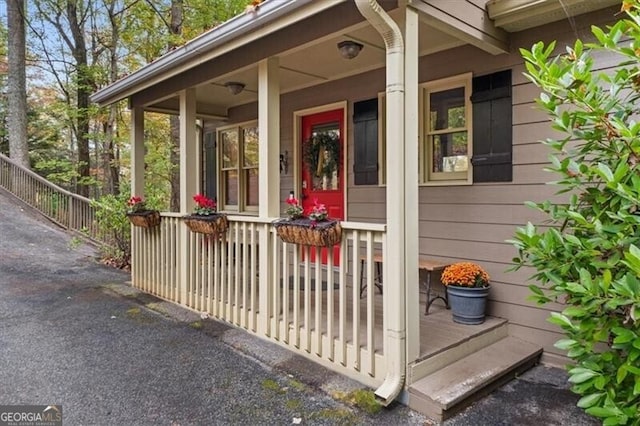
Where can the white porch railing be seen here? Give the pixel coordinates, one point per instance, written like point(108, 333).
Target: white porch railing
point(69, 210)
point(296, 300)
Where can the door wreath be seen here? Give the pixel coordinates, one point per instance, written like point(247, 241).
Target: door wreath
point(322, 153)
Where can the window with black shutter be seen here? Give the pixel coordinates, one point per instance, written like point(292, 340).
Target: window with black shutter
point(365, 138)
point(492, 128)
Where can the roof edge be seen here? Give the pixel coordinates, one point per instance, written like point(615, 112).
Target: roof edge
point(267, 13)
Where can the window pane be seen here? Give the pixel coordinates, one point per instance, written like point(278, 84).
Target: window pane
point(253, 187)
point(446, 109)
point(450, 152)
point(230, 187)
point(229, 140)
point(250, 136)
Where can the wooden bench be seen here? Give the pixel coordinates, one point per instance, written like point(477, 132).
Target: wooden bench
point(428, 265)
point(431, 266)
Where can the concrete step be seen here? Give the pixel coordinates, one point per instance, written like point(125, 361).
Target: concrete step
point(450, 389)
point(447, 342)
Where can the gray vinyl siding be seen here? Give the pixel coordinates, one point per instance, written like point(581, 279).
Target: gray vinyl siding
point(469, 222)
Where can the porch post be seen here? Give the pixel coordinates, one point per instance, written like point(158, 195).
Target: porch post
point(269, 137)
point(411, 176)
point(188, 178)
point(269, 176)
point(137, 151)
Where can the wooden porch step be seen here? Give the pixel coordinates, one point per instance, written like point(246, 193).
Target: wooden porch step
point(445, 392)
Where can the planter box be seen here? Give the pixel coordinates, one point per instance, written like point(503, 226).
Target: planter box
point(326, 233)
point(209, 224)
point(145, 218)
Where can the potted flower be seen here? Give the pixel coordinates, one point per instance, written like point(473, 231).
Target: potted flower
point(294, 209)
point(140, 215)
point(205, 218)
point(315, 229)
point(467, 289)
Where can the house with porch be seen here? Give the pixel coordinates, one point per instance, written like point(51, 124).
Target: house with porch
point(412, 122)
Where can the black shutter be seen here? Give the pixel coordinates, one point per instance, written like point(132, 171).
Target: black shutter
point(365, 139)
point(210, 166)
point(492, 128)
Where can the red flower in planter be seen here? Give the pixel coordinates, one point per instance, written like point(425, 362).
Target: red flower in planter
point(204, 206)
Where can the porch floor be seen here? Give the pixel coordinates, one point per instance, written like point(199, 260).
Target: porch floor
point(438, 331)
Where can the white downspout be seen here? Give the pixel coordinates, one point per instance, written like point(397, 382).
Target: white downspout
point(396, 329)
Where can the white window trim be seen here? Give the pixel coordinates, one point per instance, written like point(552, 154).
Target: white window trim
point(442, 179)
point(241, 207)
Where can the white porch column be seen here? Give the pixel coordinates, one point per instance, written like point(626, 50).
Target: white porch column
point(137, 151)
point(188, 178)
point(188, 150)
point(268, 174)
point(269, 134)
point(411, 176)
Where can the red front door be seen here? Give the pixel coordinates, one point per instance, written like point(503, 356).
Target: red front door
point(322, 164)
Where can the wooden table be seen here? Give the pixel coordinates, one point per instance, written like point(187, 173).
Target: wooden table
point(428, 265)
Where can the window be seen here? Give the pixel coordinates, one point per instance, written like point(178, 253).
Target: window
point(447, 141)
point(239, 186)
point(466, 130)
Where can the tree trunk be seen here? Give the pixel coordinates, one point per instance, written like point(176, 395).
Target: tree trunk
point(83, 90)
point(16, 84)
point(111, 167)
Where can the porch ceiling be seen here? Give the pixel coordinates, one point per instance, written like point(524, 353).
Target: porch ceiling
point(306, 65)
point(518, 15)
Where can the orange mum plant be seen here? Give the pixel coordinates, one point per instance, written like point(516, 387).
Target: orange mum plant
point(465, 274)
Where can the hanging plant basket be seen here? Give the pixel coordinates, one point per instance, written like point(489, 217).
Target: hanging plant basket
point(207, 224)
point(145, 218)
point(307, 232)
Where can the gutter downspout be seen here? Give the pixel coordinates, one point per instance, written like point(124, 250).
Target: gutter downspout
point(396, 329)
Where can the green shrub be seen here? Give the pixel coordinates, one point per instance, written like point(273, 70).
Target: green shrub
point(587, 256)
point(114, 226)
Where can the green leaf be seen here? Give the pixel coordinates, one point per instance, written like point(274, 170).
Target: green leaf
point(565, 344)
point(623, 335)
point(621, 374)
point(603, 411)
point(612, 421)
point(559, 319)
point(537, 290)
point(590, 400)
point(582, 375)
point(605, 172)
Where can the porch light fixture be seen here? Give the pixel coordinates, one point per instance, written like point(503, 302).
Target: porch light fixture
point(234, 87)
point(349, 49)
